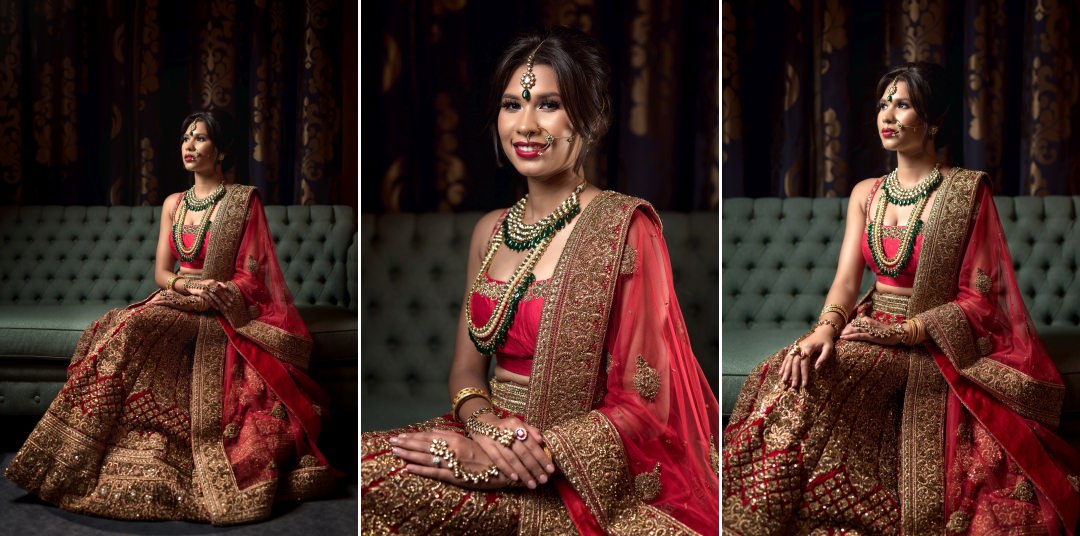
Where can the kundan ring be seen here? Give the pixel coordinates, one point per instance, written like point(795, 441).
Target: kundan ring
point(436, 461)
point(521, 434)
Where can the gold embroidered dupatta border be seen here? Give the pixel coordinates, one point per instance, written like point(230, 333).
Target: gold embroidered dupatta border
point(922, 428)
point(565, 381)
point(222, 497)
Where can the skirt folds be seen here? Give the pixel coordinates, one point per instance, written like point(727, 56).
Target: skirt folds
point(821, 458)
point(116, 441)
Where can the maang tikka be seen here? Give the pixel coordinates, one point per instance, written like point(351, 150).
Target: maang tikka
point(892, 90)
point(528, 79)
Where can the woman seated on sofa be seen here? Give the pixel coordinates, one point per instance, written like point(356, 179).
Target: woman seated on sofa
point(927, 406)
point(192, 404)
point(598, 417)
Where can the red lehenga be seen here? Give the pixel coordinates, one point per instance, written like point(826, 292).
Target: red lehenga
point(954, 435)
point(622, 403)
point(174, 414)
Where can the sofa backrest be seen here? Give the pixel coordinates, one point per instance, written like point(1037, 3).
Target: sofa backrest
point(413, 281)
point(779, 258)
point(79, 254)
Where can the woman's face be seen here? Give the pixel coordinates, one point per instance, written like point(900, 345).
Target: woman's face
point(524, 126)
point(899, 111)
point(196, 149)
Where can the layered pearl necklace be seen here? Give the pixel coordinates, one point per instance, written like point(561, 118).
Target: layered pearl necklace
point(195, 204)
point(894, 193)
point(518, 237)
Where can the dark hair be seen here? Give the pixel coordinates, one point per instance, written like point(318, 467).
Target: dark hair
point(219, 128)
point(581, 72)
point(928, 92)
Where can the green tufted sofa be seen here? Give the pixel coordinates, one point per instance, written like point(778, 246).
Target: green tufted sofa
point(779, 258)
point(413, 282)
point(63, 267)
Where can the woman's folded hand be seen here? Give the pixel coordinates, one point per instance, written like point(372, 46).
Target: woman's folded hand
point(524, 460)
point(420, 451)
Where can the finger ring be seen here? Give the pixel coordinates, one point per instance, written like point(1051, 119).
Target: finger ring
point(436, 461)
point(521, 434)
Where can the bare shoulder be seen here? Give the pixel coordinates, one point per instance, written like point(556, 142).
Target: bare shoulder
point(863, 187)
point(484, 227)
point(168, 207)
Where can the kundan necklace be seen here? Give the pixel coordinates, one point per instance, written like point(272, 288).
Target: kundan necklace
point(893, 193)
point(520, 237)
point(535, 237)
point(195, 204)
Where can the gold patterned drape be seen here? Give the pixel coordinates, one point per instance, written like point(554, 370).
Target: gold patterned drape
point(808, 69)
point(92, 94)
point(428, 146)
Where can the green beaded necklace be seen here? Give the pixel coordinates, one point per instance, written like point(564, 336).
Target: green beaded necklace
point(194, 204)
point(492, 334)
point(520, 237)
point(875, 230)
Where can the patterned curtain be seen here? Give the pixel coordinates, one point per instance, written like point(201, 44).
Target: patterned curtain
point(428, 146)
point(808, 69)
point(92, 95)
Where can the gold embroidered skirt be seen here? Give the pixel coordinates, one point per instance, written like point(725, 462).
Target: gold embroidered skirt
point(395, 501)
point(824, 457)
point(116, 441)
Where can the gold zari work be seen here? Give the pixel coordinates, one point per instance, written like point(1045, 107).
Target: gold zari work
point(399, 501)
point(793, 463)
point(983, 284)
point(646, 380)
point(648, 484)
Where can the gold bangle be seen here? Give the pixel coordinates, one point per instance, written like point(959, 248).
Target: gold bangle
point(465, 394)
point(169, 283)
point(835, 308)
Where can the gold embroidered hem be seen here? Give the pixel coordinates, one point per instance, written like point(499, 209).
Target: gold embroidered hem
point(396, 501)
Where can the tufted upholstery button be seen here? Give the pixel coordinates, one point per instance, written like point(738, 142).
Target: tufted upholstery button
point(37, 399)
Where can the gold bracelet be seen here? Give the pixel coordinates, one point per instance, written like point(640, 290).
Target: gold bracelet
point(169, 283)
point(474, 426)
point(835, 308)
point(444, 454)
point(827, 322)
point(465, 394)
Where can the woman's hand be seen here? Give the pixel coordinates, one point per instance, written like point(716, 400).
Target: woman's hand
point(169, 298)
point(867, 329)
point(816, 348)
point(522, 460)
point(415, 449)
point(214, 292)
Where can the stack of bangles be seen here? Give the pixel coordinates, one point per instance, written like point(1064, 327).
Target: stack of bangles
point(911, 331)
point(465, 394)
point(833, 308)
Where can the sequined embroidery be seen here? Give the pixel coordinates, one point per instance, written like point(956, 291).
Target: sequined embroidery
point(646, 380)
point(493, 289)
point(1023, 491)
point(984, 346)
point(647, 484)
point(629, 260)
point(279, 411)
point(232, 430)
point(958, 522)
point(1074, 481)
point(983, 284)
